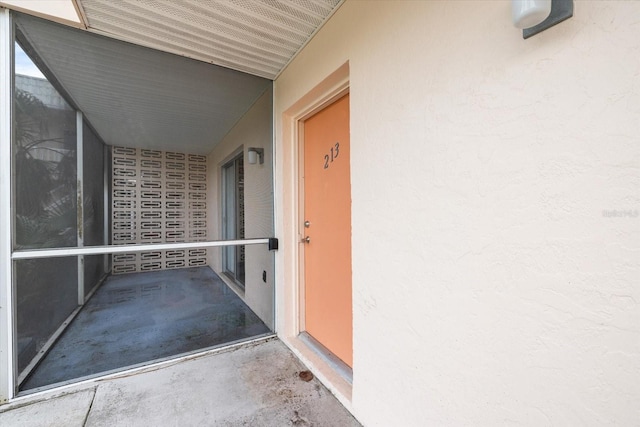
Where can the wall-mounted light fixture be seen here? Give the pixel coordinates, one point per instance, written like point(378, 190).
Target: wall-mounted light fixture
point(535, 16)
point(254, 154)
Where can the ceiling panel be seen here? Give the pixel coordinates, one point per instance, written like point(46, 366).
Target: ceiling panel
point(257, 37)
point(140, 97)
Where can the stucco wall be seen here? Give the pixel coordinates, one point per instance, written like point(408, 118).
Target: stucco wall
point(253, 130)
point(494, 207)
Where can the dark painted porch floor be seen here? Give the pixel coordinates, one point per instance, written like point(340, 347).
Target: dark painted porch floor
point(140, 317)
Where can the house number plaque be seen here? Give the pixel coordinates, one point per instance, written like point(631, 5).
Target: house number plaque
point(333, 154)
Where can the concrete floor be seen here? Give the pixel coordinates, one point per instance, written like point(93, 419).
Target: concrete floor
point(251, 385)
point(141, 317)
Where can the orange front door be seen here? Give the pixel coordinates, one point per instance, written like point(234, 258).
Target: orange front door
point(327, 224)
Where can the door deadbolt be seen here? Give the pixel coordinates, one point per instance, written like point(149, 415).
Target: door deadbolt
point(307, 224)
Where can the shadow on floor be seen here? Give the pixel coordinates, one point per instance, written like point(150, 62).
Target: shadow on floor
point(140, 317)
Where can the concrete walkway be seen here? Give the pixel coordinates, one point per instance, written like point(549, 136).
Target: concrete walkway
point(252, 385)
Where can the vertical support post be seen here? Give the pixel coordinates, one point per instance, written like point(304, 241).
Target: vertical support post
point(107, 210)
point(7, 332)
point(274, 219)
point(80, 203)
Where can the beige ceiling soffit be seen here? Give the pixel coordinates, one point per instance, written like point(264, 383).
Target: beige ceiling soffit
point(335, 9)
point(22, 6)
point(253, 36)
point(81, 14)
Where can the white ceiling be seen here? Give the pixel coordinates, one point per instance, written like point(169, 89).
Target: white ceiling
point(140, 97)
point(259, 37)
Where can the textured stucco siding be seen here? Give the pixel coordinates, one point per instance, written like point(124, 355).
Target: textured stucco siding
point(495, 199)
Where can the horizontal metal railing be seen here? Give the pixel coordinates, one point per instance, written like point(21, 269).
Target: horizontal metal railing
point(118, 249)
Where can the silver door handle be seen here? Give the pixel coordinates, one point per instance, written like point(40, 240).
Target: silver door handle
point(307, 239)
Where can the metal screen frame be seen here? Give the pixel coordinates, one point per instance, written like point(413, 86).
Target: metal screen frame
point(7, 303)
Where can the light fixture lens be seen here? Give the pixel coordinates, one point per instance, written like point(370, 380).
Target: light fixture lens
point(252, 157)
point(529, 13)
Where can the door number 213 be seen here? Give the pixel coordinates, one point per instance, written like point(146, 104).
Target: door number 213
point(333, 154)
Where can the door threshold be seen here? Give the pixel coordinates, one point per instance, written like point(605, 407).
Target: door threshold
point(331, 359)
point(70, 385)
point(337, 377)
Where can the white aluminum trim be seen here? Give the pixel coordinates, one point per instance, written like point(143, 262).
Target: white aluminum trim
point(80, 203)
point(81, 280)
point(80, 179)
point(118, 249)
point(274, 219)
point(105, 184)
point(7, 349)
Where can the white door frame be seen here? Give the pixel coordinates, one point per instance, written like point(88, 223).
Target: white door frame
point(289, 293)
